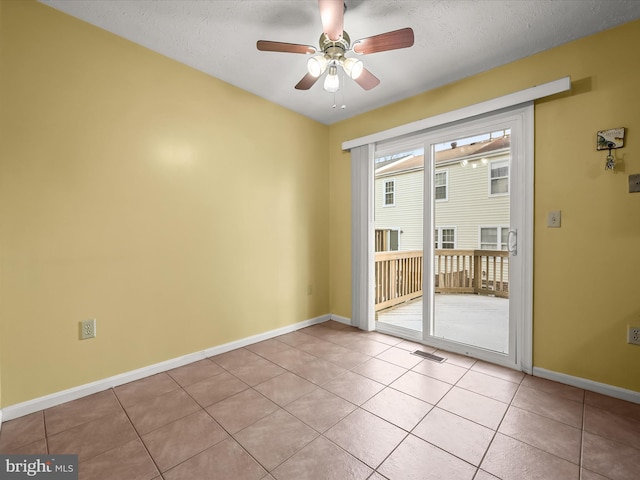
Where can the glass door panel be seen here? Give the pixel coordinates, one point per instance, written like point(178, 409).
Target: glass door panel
point(471, 221)
point(398, 238)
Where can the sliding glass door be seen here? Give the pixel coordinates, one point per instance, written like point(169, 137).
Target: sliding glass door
point(449, 208)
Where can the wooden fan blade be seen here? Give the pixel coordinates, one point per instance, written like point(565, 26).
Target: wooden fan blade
point(307, 82)
point(267, 46)
point(367, 80)
point(402, 38)
point(332, 17)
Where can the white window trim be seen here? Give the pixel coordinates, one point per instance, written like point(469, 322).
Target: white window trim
point(447, 227)
point(384, 193)
point(493, 105)
point(491, 163)
point(499, 229)
point(446, 184)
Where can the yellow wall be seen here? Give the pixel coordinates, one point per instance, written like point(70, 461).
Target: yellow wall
point(586, 280)
point(179, 211)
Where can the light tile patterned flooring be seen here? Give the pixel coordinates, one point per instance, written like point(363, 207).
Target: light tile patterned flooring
point(333, 402)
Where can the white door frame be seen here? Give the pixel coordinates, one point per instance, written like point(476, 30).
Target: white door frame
point(520, 121)
point(363, 314)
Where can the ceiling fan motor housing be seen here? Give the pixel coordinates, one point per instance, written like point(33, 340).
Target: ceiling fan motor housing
point(335, 50)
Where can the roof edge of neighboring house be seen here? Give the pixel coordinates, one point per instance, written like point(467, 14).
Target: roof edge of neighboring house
point(487, 148)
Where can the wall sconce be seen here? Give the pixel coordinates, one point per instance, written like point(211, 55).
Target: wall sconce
point(609, 140)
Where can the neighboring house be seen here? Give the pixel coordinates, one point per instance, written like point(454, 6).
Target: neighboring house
point(472, 198)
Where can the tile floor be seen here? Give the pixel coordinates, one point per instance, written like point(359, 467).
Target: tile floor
point(333, 402)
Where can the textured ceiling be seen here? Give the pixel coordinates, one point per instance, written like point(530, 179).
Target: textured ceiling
point(453, 39)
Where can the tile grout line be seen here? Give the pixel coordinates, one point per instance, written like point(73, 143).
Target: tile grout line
point(280, 407)
point(46, 435)
point(477, 468)
point(358, 407)
point(390, 453)
point(454, 385)
point(543, 416)
point(135, 430)
point(495, 433)
point(204, 409)
point(112, 390)
point(581, 455)
point(410, 432)
point(220, 425)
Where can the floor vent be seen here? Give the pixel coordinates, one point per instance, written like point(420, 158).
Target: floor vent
point(429, 356)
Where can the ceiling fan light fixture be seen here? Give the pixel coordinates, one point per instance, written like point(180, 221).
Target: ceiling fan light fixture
point(334, 44)
point(317, 65)
point(332, 82)
point(353, 67)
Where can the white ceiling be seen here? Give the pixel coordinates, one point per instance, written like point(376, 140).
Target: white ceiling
point(453, 39)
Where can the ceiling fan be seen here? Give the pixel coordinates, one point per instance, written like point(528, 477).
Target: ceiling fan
point(334, 45)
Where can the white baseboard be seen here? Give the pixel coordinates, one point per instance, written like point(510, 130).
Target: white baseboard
point(48, 401)
point(340, 319)
point(603, 388)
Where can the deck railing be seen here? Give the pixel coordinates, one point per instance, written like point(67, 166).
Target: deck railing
point(398, 277)
point(480, 272)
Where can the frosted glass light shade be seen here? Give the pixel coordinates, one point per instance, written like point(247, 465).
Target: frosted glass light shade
point(353, 67)
point(332, 82)
point(317, 65)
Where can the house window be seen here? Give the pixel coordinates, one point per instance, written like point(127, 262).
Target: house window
point(499, 177)
point(445, 237)
point(441, 185)
point(389, 193)
point(494, 238)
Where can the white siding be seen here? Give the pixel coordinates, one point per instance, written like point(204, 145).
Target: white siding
point(469, 205)
point(406, 214)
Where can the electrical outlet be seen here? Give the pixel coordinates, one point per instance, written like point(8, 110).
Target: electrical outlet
point(87, 329)
point(633, 335)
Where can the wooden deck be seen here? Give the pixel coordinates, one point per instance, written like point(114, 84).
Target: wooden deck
point(398, 274)
point(477, 320)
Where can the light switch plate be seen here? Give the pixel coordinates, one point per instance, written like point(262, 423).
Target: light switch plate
point(634, 183)
point(553, 219)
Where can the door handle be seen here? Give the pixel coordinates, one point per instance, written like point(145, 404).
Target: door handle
point(512, 242)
